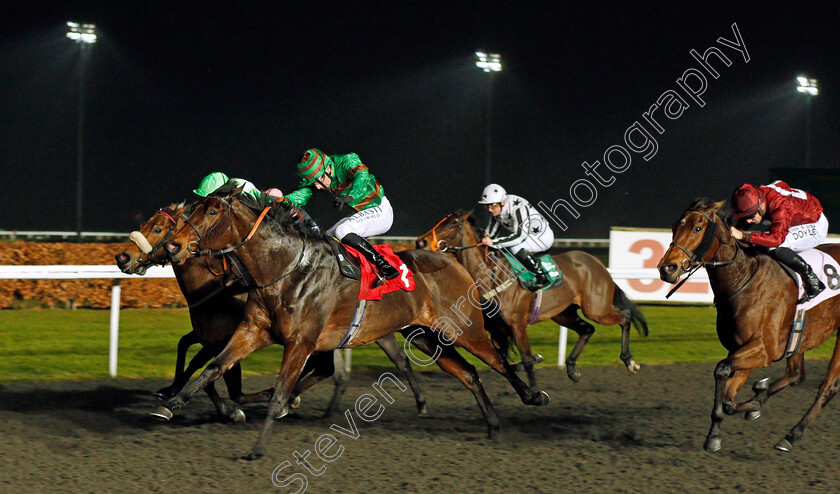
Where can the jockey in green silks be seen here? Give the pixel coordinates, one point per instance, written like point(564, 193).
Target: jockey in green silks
point(351, 183)
point(212, 182)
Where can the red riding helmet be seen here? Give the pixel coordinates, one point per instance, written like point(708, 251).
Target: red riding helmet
point(745, 201)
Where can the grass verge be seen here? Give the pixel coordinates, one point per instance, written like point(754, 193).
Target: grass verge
point(62, 344)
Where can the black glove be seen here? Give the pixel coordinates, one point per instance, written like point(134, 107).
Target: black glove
point(340, 201)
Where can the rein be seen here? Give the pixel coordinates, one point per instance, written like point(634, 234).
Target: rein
point(222, 252)
point(436, 244)
point(696, 259)
point(211, 252)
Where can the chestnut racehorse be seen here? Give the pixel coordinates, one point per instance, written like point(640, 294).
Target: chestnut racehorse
point(587, 285)
point(216, 298)
point(302, 301)
point(756, 305)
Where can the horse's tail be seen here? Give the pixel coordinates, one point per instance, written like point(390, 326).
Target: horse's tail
point(500, 332)
point(623, 302)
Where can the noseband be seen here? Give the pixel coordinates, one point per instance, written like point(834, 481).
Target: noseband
point(149, 261)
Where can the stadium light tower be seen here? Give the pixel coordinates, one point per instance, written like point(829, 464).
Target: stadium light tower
point(490, 63)
point(84, 35)
point(809, 88)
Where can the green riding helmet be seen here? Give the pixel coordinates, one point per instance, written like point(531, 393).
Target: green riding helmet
point(210, 184)
point(311, 166)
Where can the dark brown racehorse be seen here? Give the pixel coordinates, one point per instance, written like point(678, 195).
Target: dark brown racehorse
point(216, 295)
point(587, 285)
point(755, 302)
point(302, 301)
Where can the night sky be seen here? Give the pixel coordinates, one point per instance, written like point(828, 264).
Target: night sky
point(176, 90)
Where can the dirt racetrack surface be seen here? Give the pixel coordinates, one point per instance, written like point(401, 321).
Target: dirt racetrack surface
point(612, 432)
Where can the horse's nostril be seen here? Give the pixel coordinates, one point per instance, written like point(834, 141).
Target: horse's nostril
point(121, 258)
point(172, 248)
point(420, 243)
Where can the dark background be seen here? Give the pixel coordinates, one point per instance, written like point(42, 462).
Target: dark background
point(176, 90)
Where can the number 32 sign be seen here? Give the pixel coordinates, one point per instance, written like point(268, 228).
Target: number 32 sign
point(635, 248)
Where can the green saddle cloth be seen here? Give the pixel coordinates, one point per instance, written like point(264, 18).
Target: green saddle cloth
point(527, 277)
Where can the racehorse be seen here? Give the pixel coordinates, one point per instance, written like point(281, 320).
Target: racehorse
point(587, 285)
point(216, 294)
point(302, 301)
point(756, 304)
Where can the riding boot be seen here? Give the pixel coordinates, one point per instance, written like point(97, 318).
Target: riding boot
point(534, 266)
point(386, 271)
point(813, 286)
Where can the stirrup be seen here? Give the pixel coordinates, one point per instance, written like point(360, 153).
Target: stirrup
point(807, 297)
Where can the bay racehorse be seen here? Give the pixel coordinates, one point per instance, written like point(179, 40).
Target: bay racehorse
point(216, 291)
point(300, 300)
point(587, 285)
point(756, 303)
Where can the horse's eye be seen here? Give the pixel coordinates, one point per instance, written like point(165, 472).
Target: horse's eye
point(212, 212)
point(157, 230)
point(449, 227)
point(697, 229)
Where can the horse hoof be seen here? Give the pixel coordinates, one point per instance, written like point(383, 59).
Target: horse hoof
point(162, 394)
point(544, 400)
point(252, 455)
point(162, 413)
point(238, 416)
point(762, 385)
point(752, 415)
point(295, 403)
point(633, 367)
point(574, 374)
point(712, 444)
point(784, 445)
point(282, 413)
point(538, 359)
point(421, 411)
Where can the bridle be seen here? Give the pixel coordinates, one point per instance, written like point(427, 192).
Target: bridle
point(441, 244)
point(168, 233)
point(221, 252)
point(697, 258)
point(149, 261)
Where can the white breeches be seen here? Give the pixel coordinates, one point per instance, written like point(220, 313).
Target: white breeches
point(366, 223)
point(807, 236)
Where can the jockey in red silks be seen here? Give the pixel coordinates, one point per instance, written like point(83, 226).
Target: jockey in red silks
point(797, 223)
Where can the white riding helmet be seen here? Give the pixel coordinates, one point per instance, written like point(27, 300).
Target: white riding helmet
point(492, 194)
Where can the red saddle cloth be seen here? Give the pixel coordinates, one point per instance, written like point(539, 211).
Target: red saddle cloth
point(405, 281)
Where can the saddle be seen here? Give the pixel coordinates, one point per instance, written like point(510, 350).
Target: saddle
point(355, 266)
point(347, 267)
point(526, 278)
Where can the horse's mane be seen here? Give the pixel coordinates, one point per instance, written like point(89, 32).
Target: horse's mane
point(283, 219)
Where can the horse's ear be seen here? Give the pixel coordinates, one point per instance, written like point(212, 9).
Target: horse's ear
point(715, 206)
point(466, 214)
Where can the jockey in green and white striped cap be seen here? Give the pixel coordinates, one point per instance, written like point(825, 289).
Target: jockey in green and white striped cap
point(312, 165)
